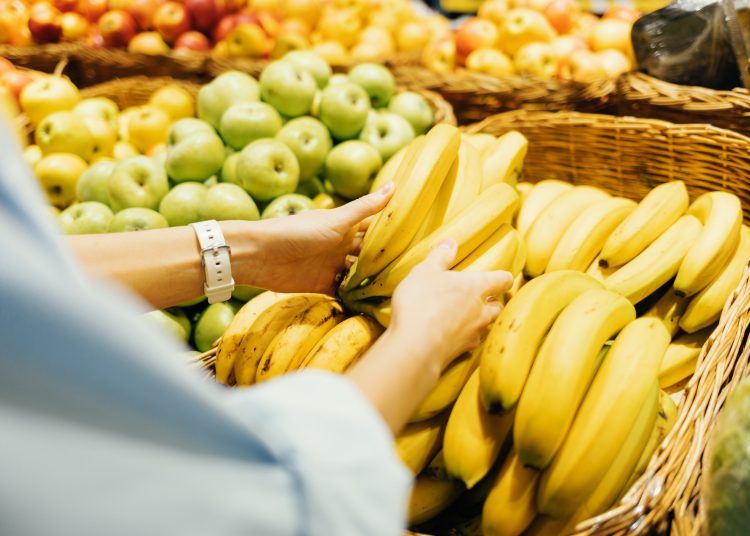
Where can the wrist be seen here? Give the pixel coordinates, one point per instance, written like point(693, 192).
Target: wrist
point(403, 344)
point(245, 240)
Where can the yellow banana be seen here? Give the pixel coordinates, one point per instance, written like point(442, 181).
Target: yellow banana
point(524, 189)
point(421, 173)
point(518, 331)
point(473, 226)
point(511, 505)
point(264, 329)
point(669, 308)
point(484, 143)
point(548, 228)
point(498, 252)
point(419, 442)
point(599, 272)
point(562, 372)
point(656, 264)
point(541, 195)
point(292, 344)
point(583, 240)
point(705, 307)
point(432, 492)
point(721, 216)
point(380, 310)
point(682, 357)
point(504, 162)
point(656, 212)
point(473, 437)
point(389, 171)
point(624, 384)
point(549, 526)
point(343, 345)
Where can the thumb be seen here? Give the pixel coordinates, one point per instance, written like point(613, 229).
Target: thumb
point(441, 258)
point(360, 209)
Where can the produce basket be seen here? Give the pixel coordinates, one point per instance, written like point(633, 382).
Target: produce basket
point(645, 96)
point(627, 157)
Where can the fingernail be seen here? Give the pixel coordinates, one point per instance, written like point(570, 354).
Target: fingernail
point(447, 243)
point(387, 188)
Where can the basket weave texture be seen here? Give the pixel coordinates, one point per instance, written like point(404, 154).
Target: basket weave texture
point(627, 157)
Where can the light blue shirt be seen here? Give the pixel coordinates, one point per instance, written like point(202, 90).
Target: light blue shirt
point(105, 431)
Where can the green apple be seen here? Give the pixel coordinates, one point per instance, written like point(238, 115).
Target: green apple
point(351, 167)
point(137, 219)
point(89, 217)
point(159, 156)
point(229, 169)
point(338, 78)
point(414, 108)
point(195, 158)
point(312, 63)
point(93, 184)
point(310, 188)
point(288, 88)
point(267, 169)
point(65, 132)
point(213, 180)
point(227, 201)
point(225, 90)
point(288, 205)
point(388, 133)
point(181, 204)
point(186, 127)
point(310, 142)
point(377, 80)
point(172, 321)
point(249, 121)
point(245, 293)
point(100, 107)
point(343, 109)
point(211, 324)
point(137, 182)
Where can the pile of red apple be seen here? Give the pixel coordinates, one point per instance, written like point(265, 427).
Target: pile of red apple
point(544, 39)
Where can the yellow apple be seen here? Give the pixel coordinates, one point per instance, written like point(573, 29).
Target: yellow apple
point(306, 10)
point(175, 100)
point(537, 59)
point(564, 45)
point(332, 51)
point(122, 123)
point(48, 94)
point(286, 42)
point(385, 19)
point(247, 41)
point(341, 25)
point(583, 66)
point(378, 35)
point(523, 26)
point(104, 135)
point(612, 33)
point(100, 107)
point(490, 61)
point(32, 154)
point(148, 126)
point(494, 10)
point(123, 150)
point(58, 174)
point(368, 53)
point(413, 36)
point(440, 55)
point(221, 49)
point(151, 43)
point(614, 62)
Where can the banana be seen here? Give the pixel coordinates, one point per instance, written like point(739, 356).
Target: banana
point(484, 143)
point(230, 343)
point(343, 345)
point(705, 307)
point(432, 492)
point(669, 308)
point(264, 329)
point(517, 333)
point(498, 252)
point(541, 195)
point(549, 526)
point(721, 216)
point(380, 310)
point(682, 357)
point(418, 443)
point(473, 226)
point(292, 344)
point(584, 239)
point(511, 505)
point(524, 189)
point(421, 174)
point(656, 212)
point(624, 384)
point(504, 162)
point(598, 272)
point(656, 264)
point(389, 171)
point(562, 372)
point(449, 386)
point(473, 437)
point(548, 228)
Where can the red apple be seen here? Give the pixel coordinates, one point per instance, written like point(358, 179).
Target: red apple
point(622, 12)
point(224, 26)
point(16, 80)
point(171, 20)
point(561, 14)
point(44, 23)
point(295, 26)
point(193, 40)
point(473, 34)
point(117, 28)
point(143, 12)
point(74, 26)
point(204, 13)
point(66, 5)
point(92, 9)
point(150, 43)
point(95, 39)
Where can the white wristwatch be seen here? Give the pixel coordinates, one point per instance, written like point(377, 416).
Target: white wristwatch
point(215, 254)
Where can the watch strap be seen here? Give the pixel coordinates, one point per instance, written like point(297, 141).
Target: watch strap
point(215, 255)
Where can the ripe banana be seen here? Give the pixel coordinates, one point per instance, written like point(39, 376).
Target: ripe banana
point(705, 307)
point(504, 162)
point(541, 195)
point(524, 188)
point(419, 442)
point(624, 384)
point(562, 372)
point(656, 212)
point(583, 240)
point(473, 226)
point(511, 505)
point(548, 228)
point(669, 308)
point(292, 344)
point(230, 343)
point(721, 216)
point(389, 171)
point(473, 437)
point(682, 357)
point(449, 386)
point(484, 143)
point(343, 345)
point(599, 272)
point(432, 492)
point(498, 252)
point(264, 329)
point(421, 173)
point(380, 310)
point(518, 331)
point(656, 264)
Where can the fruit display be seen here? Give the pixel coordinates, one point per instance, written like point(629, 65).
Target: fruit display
point(342, 32)
point(544, 39)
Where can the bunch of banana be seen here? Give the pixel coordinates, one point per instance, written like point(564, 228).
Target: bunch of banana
point(419, 442)
point(682, 357)
point(343, 345)
point(511, 505)
point(433, 491)
point(536, 200)
point(503, 162)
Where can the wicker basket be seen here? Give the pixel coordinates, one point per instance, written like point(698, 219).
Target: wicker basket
point(627, 157)
point(644, 96)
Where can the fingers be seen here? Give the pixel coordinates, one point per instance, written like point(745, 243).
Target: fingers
point(355, 212)
point(441, 258)
point(494, 283)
